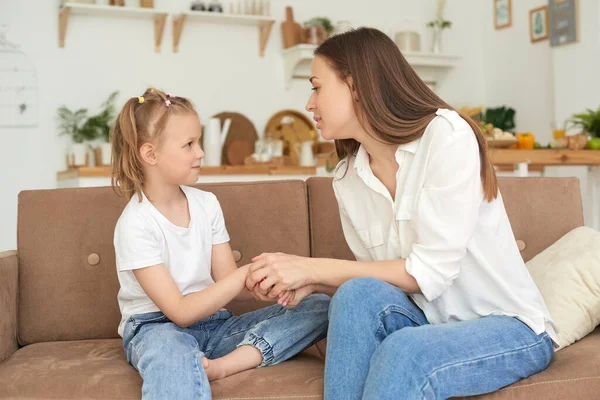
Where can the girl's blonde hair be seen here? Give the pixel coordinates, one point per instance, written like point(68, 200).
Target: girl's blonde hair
point(141, 120)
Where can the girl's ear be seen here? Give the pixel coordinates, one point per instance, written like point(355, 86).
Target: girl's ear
point(148, 153)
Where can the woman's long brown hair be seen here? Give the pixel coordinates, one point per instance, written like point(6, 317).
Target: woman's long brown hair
point(395, 103)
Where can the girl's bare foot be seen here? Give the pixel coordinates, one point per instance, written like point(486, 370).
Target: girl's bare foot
point(214, 369)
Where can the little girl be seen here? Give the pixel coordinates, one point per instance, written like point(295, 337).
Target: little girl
point(176, 268)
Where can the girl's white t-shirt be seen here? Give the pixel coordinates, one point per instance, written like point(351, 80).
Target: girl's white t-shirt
point(144, 238)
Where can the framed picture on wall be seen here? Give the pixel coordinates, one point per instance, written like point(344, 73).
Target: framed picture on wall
point(502, 13)
point(538, 24)
point(563, 23)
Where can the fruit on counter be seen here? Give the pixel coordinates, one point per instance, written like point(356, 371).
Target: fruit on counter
point(594, 144)
point(573, 142)
point(499, 134)
point(526, 140)
point(537, 145)
point(578, 142)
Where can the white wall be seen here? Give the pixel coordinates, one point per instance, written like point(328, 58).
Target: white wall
point(544, 84)
point(577, 66)
point(518, 73)
point(218, 67)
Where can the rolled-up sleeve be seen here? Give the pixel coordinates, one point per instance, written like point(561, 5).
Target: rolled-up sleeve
point(445, 214)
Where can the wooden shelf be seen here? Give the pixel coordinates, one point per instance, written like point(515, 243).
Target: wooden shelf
point(545, 157)
point(296, 62)
point(264, 24)
point(91, 172)
point(429, 66)
point(67, 9)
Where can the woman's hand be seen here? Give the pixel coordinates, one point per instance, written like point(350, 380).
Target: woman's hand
point(270, 274)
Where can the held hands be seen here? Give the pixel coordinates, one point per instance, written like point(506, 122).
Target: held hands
point(280, 276)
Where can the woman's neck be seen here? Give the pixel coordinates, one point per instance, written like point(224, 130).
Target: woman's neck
point(380, 154)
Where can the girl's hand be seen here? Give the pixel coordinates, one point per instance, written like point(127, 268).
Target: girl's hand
point(292, 298)
point(286, 298)
point(273, 273)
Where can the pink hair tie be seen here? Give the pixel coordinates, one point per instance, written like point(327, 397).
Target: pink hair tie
point(167, 103)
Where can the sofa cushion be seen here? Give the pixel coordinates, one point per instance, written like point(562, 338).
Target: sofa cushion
point(536, 222)
point(97, 369)
point(64, 294)
point(574, 373)
point(568, 276)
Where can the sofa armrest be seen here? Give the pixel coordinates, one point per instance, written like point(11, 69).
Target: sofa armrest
point(8, 304)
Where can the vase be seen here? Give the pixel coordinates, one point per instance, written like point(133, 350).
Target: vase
point(78, 156)
point(436, 39)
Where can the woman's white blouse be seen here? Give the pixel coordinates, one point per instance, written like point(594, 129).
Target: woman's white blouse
point(460, 249)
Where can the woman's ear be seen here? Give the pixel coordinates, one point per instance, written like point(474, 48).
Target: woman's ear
point(352, 89)
point(148, 153)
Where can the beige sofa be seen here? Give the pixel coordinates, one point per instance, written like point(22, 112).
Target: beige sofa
point(58, 291)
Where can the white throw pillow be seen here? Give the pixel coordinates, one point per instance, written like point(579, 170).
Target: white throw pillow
point(568, 276)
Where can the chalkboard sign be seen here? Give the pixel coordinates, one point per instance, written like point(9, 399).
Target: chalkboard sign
point(563, 21)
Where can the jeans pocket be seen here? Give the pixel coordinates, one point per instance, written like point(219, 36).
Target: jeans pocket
point(135, 323)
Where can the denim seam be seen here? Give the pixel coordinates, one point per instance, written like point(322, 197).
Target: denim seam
point(262, 345)
point(428, 377)
point(198, 370)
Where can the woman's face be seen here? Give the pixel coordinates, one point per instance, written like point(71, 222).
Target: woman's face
point(332, 103)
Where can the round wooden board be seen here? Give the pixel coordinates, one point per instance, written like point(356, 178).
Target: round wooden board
point(300, 130)
point(241, 129)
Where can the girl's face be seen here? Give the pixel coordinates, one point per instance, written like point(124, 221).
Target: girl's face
point(179, 153)
point(332, 103)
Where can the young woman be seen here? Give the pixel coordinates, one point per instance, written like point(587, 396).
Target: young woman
point(439, 302)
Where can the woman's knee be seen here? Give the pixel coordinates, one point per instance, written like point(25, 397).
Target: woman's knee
point(362, 296)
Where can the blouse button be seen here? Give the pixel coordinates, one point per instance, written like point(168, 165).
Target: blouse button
point(521, 245)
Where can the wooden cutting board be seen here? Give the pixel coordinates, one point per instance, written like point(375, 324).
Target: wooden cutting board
point(243, 133)
point(291, 31)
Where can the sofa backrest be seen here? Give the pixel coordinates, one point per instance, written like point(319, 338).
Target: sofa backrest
point(541, 211)
point(66, 294)
point(67, 278)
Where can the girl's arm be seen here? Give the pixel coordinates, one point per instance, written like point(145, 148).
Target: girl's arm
point(223, 264)
point(160, 286)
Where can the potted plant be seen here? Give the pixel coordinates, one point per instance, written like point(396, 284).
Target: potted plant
point(317, 30)
point(589, 123)
point(102, 123)
point(83, 129)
